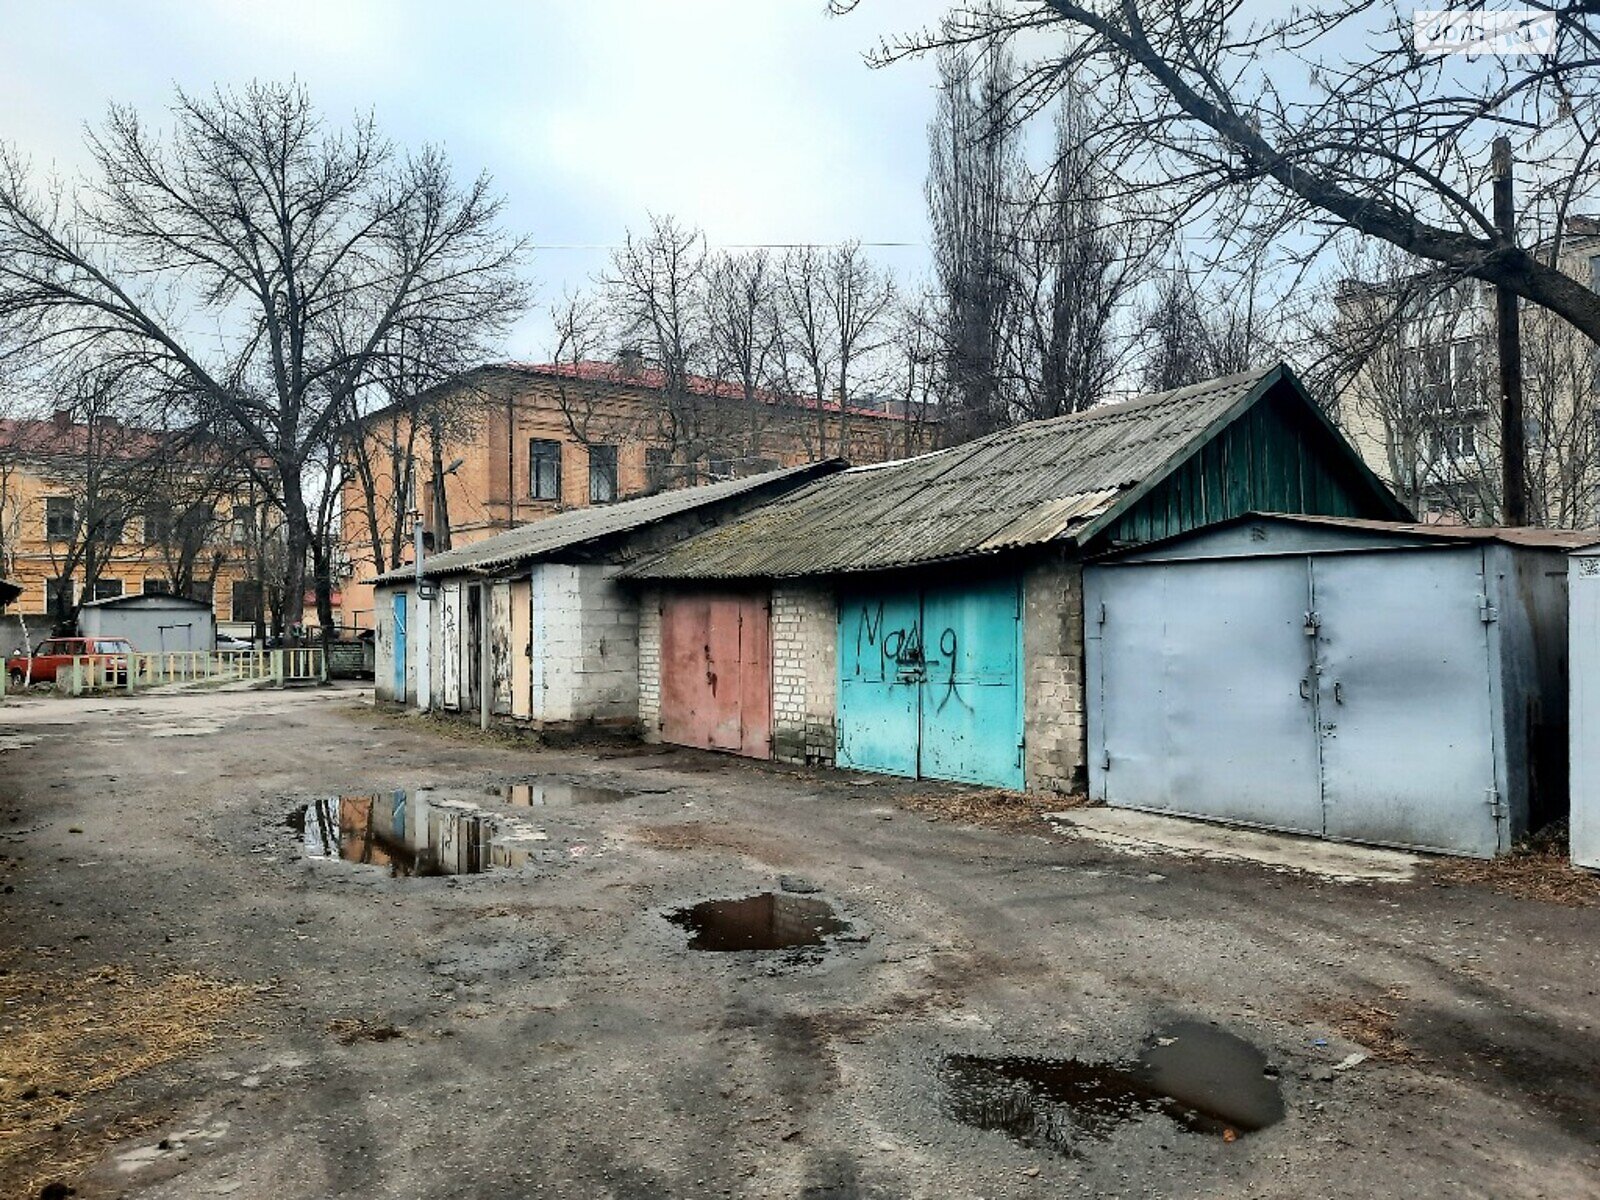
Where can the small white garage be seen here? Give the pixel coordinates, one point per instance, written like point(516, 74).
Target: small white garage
point(1583, 581)
point(1368, 681)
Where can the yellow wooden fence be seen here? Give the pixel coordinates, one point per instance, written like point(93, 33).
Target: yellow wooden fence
point(140, 671)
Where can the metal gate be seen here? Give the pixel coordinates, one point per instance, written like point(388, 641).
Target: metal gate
point(1345, 695)
point(450, 645)
point(400, 646)
point(716, 672)
point(930, 683)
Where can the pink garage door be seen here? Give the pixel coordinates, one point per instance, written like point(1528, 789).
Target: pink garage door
point(716, 672)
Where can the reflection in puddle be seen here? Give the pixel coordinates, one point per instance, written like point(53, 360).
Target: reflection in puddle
point(410, 834)
point(766, 922)
point(555, 793)
point(1202, 1077)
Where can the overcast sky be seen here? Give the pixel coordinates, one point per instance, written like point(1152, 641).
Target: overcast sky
point(754, 119)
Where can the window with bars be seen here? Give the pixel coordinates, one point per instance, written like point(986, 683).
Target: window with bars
point(602, 474)
point(246, 600)
point(105, 589)
point(544, 469)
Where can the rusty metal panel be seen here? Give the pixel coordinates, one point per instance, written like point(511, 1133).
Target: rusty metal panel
point(716, 672)
point(500, 642)
point(521, 649)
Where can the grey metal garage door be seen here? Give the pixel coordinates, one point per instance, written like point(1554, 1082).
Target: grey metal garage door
point(1345, 695)
point(1202, 695)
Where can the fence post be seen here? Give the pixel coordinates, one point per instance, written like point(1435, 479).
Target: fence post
point(130, 668)
point(277, 667)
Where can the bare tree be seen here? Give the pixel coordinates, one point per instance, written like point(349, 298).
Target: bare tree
point(975, 167)
point(1386, 140)
point(745, 335)
point(255, 266)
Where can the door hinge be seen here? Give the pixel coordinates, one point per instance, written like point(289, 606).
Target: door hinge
point(1487, 612)
point(1105, 761)
point(1497, 807)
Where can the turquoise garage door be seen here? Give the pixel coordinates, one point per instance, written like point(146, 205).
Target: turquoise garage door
point(930, 683)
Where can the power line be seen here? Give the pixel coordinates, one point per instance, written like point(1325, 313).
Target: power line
point(737, 245)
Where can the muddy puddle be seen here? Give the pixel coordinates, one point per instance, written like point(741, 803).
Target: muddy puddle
point(555, 793)
point(1203, 1078)
point(769, 921)
point(413, 834)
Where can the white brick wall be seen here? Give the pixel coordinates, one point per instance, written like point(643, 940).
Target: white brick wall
point(1056, 751)
point(804, 673)
point(649, 669)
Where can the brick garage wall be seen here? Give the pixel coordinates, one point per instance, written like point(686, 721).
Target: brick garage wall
point(804, 673)
point(649, 608)
point(1056, 752)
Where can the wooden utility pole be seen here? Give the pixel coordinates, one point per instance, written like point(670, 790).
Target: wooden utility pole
point(1508, 337)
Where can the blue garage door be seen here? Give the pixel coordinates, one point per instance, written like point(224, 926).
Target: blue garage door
point(930, 683)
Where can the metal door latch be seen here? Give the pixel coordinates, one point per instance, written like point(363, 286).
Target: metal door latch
point(1313, 624)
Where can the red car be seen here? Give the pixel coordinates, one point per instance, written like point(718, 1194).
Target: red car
point(55, 654)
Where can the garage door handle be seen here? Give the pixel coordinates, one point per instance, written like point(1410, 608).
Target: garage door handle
point(1305, 689)
point(1338, 692)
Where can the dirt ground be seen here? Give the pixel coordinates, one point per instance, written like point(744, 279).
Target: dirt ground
point(193, 1008)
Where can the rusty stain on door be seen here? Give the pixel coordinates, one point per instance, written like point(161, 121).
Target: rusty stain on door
point(716, 672)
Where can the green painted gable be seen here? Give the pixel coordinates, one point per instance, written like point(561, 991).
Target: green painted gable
point(1279, 454)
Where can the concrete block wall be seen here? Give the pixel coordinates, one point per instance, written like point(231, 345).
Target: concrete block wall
point(804, 673)
point(649, 673)
point(584, 632)
point(1055, 735)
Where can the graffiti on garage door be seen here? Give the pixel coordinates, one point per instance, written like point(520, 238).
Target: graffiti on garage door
point(930, 683)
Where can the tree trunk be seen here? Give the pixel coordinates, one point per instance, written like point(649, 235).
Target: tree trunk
point(298, 539)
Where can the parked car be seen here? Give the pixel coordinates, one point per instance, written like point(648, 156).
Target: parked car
point(52, 654)
point(226, 641)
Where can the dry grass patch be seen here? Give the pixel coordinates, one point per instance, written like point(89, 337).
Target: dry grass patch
point(994, 806)
point(1539, 869)
point(350, 1030)
point(67, 1040)
point(1371, 1024)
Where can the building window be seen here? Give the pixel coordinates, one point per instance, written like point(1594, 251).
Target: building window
point(157, 524)
point(58, 597)
point(202, 590)
point(60, 518)
point(544, 469)
point(602, 474)
point(246, 600)
point(105, 589)
point(658, 470)
point(244, 523)
point(195, 526)
point(157, 585)
point(1455, 443)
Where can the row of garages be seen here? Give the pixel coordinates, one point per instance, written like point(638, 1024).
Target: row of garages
point(1094, 601)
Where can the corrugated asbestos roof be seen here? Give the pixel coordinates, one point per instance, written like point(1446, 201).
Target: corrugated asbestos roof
point(540, 539)
point(1023, 486)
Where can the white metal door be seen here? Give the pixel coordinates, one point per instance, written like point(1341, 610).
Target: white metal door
point(450, 644)
point(1583, 592)
point(1204, 693)
point(1404, 699)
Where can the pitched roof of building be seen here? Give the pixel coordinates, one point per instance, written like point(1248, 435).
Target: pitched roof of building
point(568, 530)
point(60, 436)
point(653, 379)
point(1062, 478)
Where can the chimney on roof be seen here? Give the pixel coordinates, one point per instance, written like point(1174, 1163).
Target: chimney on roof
point(61, 419)
point(631, 359)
